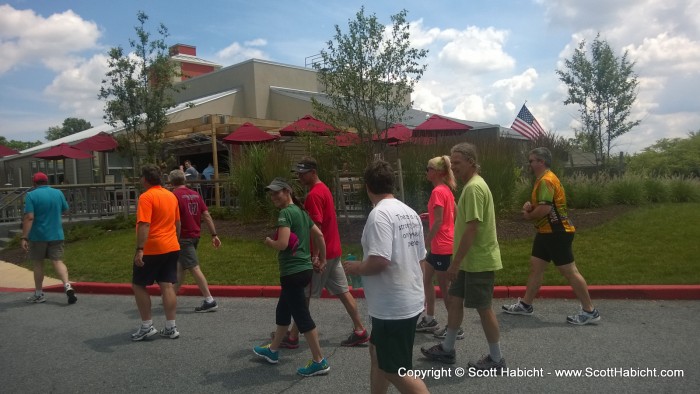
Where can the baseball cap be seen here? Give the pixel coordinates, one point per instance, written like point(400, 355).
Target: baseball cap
point(278, 184)
point(304, 167)
point(40, 177)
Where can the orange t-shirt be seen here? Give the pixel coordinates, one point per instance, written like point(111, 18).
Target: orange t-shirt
point(158, 207)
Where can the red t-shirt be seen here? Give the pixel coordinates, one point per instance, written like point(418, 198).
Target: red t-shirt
point(191, 208)
point(442, 241)
point(321, 209)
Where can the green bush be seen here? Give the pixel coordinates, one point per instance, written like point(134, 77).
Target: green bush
point(684, 189)
point(222, 213)
point(585, 192)
point(656, 190)
point(626, 190)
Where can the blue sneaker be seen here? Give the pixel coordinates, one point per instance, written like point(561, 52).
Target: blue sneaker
point(313, 368)
point(267, 354)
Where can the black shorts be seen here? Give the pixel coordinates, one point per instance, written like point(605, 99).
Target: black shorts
point(440, 262)
point(156, 268)
point(393, 342)
point(554, 247)
point(292, 302)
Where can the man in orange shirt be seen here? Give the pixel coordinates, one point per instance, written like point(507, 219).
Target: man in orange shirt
point(157, 252)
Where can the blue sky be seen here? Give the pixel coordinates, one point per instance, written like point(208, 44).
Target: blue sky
point(485, 59)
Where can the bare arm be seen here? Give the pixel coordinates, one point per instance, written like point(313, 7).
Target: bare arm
point(540, 211)
point(27, 222)
point(371, 266)
point(437, 223)
point(464, 245)
point(282, 240)
point(319, 261)
point(142, 230)
point(212, 229)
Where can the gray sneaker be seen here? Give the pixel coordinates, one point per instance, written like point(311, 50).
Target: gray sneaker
point(441, 334)
point(425, 326)
point(438, 354)
point(70, 293)
point(206, 307)
point(517, 309)
point(583, 318)
point(171, 333)
point(143, 333)
point(36, 299)
point(487, 363)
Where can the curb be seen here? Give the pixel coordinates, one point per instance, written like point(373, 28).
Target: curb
point(648, 292)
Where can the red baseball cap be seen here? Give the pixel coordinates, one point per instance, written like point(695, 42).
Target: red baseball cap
point(40, 177)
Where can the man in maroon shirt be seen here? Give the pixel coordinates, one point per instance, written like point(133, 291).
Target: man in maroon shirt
point(192, 210)
point(320, 207)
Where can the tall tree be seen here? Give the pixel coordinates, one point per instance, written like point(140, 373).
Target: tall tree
point(605, 88)
point(138, 92)
point(70, 126)
point(675, 156)
point(369, 74)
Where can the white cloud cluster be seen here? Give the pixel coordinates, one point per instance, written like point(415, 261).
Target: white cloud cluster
point(236, 53)
point(75, 89)
point(27, 38)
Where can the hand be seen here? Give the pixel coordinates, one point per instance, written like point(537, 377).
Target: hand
point(268, 241)
point(452, 271)
point(527, 206)
point(216, 241)
point(424, 216)
point(138, 258)
point(320, 264)
point(351, 267)
point(25, 245)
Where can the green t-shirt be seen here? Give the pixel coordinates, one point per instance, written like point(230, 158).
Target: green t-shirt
point(299, 223)
point(476, 203)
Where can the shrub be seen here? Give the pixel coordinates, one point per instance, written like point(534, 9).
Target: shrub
point(585, 192)
point(684, 189)
point(626, 190)
point(222, 213)
point(657, 190)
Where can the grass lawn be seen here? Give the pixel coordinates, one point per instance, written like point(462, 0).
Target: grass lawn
point(650, 245)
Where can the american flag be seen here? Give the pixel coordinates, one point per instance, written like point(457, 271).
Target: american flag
point(527, 125)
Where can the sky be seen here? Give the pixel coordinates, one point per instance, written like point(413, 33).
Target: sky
point(485, 59)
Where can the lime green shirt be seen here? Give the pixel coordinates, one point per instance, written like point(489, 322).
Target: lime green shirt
point(476, 203)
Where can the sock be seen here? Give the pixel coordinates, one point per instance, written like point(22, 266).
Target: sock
point(429, 318)
point(146, 323)
point(38, 292)
point(169, 324)
point(67, 286)
point(448, 344)
point(527, 306)
point(495, 351)
point(589, 312)
point(360, 332)
point(209, 299)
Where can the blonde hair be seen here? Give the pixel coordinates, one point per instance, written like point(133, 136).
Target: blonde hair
point(442, 164)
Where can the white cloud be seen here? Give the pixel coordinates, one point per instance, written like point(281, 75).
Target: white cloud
point(517, 84)
point(236, 52)
point(478, 51)
point(27, 38)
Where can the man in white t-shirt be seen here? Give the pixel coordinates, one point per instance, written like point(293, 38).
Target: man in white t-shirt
point(392, 246)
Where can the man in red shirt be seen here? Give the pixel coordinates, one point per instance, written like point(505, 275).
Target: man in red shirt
point(320, 207)
point(192, 210)
point(157, 251)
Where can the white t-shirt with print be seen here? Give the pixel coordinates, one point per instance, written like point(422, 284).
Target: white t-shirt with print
point(394, 231)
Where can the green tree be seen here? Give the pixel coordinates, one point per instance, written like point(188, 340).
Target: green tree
point(138, 92)
point(368, 74)
point(674, 156)
point(70, 126)
point(18, 145)
point(605, 88)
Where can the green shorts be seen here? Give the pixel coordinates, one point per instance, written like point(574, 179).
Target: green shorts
point(393, 341)
point(475, 287)
point(40, 250)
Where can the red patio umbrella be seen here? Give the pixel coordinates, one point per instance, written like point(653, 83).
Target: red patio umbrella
point(345, 139)
point(308, 124)
point(248, 133)
point(394, 135)
point(100, 142)
point(62, 152)
point(437, 125)
point(5, 151)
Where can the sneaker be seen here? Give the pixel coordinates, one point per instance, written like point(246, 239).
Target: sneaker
point(143, 333)
point(441, 334)
point(206, 307)
point(438, 354)
point(517, 309)
point(583, 318)
point(287, 343)
point(267, 354)
point(425, 326)
point(313, 368)
point(36, 299)
point(354, 339)
point(171, 333)
point(487, 363)
point(70, 293)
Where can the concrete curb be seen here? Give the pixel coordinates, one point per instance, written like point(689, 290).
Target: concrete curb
point(650, 292)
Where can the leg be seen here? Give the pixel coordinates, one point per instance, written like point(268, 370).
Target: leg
point(294, 331)
point(143, 301)
point(38, 275)
point(490, 325)
point(406, 384)
point(578, 284)
point(180, 277)
point(377, 380)
point(428, 288)
point(351, 307)
point(534, 280)
point(169, 299)
point(314, 345)
point(61, 271)
point(201, 281)
point(443, 282)
point(455, 312)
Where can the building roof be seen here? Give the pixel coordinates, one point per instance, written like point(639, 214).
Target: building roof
point(193, 59)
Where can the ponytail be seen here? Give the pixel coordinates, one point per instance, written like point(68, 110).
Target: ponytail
point(443, 164)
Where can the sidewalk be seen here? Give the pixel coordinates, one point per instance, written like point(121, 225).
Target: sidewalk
point(15, 278)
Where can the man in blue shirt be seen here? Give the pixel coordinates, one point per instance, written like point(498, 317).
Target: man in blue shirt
point(42, 234)
point(208, 172)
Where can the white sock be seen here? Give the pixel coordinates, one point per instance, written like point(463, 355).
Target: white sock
point(146, 323)
point(209, 299)
point(169, 324)
point(448, 344)
point(38, 292)
point(67, 286)
point(495, 351)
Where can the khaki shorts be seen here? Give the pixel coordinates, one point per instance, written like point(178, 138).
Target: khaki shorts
point(40, 250)
point(475, 287)
point(332, 278)
point(188, 253)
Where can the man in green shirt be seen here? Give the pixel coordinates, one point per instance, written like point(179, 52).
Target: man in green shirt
point(476, 258)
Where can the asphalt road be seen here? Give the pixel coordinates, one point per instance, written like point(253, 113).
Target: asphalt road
point(86, 347)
